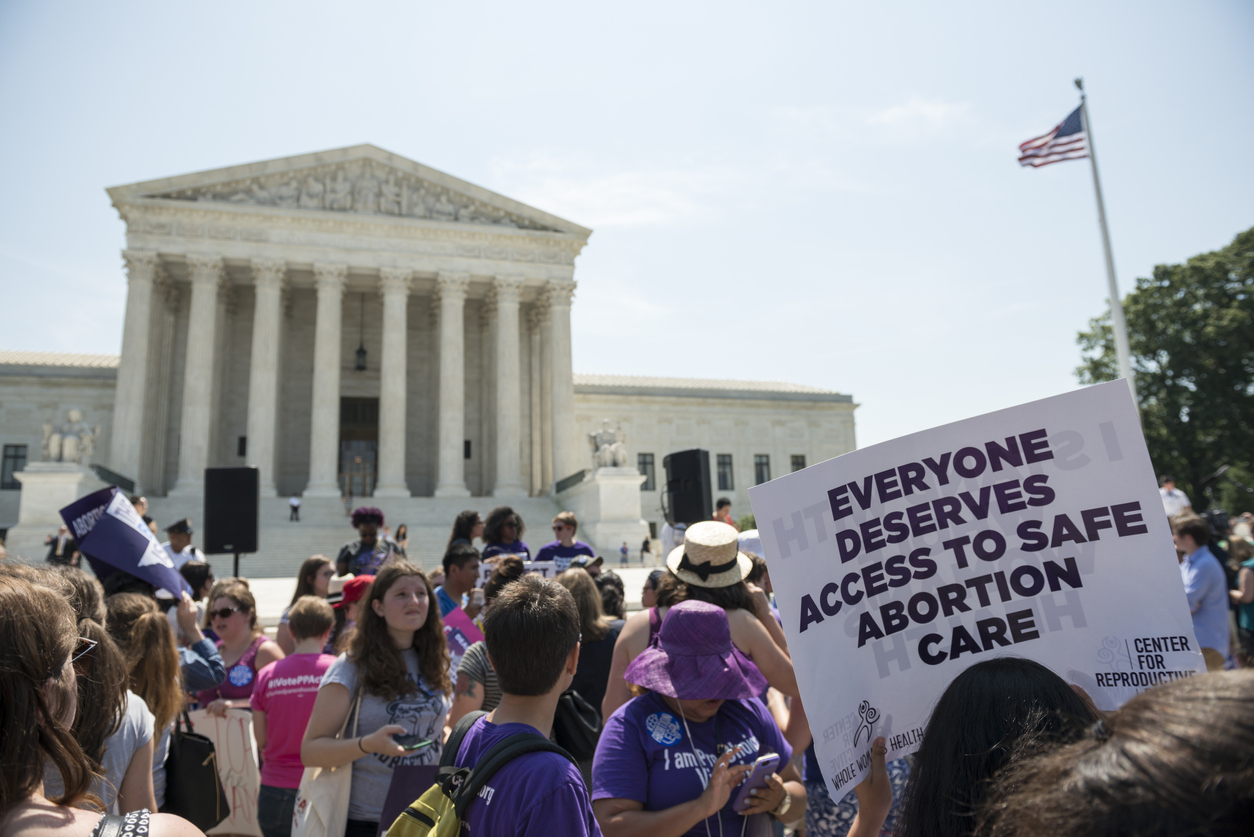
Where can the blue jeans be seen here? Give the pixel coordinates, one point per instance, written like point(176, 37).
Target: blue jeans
point(274, 810)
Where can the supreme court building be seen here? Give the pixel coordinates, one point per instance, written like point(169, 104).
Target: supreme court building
point(351, 321)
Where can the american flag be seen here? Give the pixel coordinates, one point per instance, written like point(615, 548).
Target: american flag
point(1068, 141)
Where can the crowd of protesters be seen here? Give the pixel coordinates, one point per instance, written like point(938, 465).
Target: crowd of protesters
point(644, 723)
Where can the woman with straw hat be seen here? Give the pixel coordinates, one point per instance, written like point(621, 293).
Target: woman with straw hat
point(670, 761)
point(708, 567)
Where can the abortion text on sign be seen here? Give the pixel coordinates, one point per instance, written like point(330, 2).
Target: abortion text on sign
point(1035, 531)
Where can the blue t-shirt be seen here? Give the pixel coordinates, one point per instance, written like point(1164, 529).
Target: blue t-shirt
point(561, 555)
point(644, 754)
point(516, 548)
point(535, 794)
point(1206, 587)
point(447, 605)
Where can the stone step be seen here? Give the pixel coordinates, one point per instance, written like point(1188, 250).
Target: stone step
point(324, 527)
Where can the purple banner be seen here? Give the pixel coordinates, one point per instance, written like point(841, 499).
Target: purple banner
point(114, 537)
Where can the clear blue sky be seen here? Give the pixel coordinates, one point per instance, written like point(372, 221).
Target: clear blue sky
point(821, 193)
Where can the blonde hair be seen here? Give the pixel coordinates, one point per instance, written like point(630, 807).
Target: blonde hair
point(147, 641)
point(593, 623)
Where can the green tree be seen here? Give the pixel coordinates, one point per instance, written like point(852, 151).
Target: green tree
point(1191, 334)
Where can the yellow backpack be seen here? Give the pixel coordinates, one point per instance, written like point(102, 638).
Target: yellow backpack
point(440, 810)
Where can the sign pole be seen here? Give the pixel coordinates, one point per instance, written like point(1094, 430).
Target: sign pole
point(1116, 307)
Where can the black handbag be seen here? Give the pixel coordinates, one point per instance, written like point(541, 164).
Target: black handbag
point(576, 725)
point(193, 789)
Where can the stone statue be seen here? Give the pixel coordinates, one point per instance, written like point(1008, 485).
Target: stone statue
point(608, 445)
point(288, 194)
point(366, 194)
point(340, 193)
point(444, 208)
point(72, 441)
point(255, 194)
point(311, 196)
point(390, 198)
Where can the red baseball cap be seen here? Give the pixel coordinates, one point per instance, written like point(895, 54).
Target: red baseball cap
point(354, 589)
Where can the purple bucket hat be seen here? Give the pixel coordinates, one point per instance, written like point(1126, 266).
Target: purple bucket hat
point(693, 658)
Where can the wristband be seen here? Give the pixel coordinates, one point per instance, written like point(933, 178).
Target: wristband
point(362, 747)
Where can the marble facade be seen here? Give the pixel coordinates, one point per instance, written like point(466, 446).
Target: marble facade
point(251, 288)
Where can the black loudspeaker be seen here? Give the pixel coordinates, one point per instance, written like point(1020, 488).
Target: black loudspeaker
point(231, 510)
point(687, 495)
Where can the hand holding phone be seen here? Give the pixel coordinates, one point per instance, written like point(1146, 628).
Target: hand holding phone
point(412, 741)
point(762, 769)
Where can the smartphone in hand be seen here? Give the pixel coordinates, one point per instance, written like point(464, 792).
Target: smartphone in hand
point(762, 769)
point(412, 741)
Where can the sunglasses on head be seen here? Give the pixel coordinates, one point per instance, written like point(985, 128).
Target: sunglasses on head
point(84, 645)
point(224, 613)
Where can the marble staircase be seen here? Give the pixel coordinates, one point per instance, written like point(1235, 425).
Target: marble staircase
point(324, 527)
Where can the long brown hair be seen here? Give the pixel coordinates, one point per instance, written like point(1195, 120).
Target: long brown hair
point(304, 578)
point(671, 590)
point(593, 623)
point(381, 666)
point(37, 637)
point(146, 639)
point(102, 672)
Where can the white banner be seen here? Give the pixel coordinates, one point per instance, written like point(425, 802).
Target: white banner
point(236, 750)
point(547, 569)
point(1036, 531)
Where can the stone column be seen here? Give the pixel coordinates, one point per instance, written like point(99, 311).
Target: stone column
point(206, 274)
point(535, 321)
point(566, 459)
point(324, 425)
point(451, 473)
point(132, 386)
point(508, 407)
point(263, 370)
point(393, 382)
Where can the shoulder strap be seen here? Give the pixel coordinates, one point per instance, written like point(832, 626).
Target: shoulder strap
point(448, 758)
point(109, 825)
point(501, 754)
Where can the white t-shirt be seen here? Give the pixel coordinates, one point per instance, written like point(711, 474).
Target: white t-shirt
point(1174, 501)
point(294, 502)
point(422, 712)
point(119, 748)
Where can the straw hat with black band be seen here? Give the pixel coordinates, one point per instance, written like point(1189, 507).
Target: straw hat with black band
point(710, 556)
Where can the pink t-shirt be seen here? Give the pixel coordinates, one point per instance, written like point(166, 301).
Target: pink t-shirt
point(285, 691)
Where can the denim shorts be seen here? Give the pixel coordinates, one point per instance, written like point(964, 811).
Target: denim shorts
point(274, 810)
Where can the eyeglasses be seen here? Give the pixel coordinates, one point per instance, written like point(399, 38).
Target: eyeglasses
point(558, 528)
point(510, 524)
point(224, 613)
point(84, 645)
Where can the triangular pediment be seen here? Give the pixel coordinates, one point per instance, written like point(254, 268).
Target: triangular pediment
point(359, 180)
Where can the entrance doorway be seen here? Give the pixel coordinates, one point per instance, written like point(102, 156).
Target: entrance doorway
point(359, 445)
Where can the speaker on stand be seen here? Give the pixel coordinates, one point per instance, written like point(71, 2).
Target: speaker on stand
point(687, 498)
point(231, 497)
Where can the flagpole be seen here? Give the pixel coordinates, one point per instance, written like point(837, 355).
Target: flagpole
point(1116, 307)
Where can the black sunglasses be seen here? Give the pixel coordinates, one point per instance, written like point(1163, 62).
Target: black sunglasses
point(224, 613)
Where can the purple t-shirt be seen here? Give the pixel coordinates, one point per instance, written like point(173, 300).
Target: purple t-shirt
point(644, 754)
point(535, 794)
point(561, 555)
point(516, 548)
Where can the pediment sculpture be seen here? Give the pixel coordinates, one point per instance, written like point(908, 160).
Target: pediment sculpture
point(364, 187)
point(72, 440)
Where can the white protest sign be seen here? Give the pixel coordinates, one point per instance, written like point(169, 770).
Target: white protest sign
point(546, 569)
point(236, 751)
point(1035, 531)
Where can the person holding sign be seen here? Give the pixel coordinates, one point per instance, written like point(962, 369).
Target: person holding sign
point(669, 760)
point(244, 647)
point(709, 567)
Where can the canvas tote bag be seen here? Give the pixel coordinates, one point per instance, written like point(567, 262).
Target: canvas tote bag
point(322, 800)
